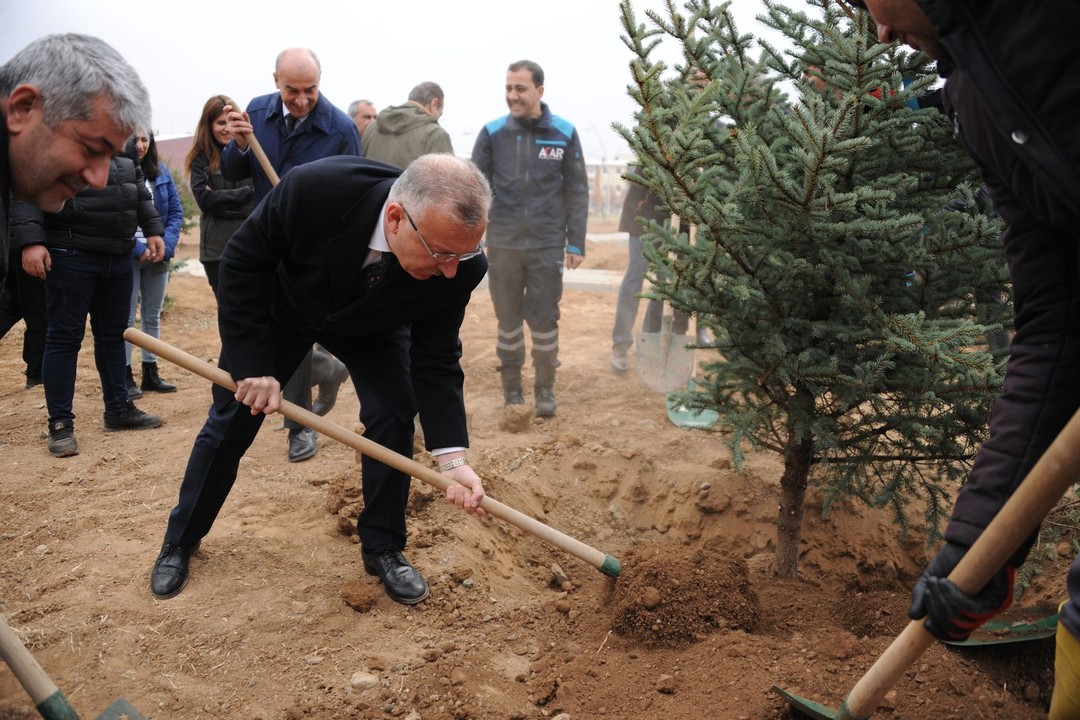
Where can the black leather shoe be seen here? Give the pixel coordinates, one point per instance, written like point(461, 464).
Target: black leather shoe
point(328, 391)
point(401, 581)
point(302, 444)
point(170, 573)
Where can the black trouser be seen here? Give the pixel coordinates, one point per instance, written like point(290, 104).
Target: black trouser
point(1041, 389)
point(386, 410)
point(24, 299)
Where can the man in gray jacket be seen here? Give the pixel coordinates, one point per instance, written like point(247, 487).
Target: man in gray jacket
point(402, 133)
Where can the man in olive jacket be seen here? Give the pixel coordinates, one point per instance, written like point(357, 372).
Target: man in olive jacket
point(402, 133)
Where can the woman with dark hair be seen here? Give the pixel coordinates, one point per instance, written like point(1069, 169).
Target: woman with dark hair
point(224, 204)
point(151, 273)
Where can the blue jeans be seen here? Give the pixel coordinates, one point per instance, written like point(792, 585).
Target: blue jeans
point(149, 281)
point(82, 282)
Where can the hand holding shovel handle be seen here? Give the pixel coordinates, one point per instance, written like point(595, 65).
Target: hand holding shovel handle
point(1052, 476)
point(604, 563)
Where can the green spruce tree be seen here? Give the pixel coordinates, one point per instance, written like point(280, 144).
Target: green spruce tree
point(848, 274)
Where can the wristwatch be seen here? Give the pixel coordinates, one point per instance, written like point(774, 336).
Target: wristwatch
point(451, 464)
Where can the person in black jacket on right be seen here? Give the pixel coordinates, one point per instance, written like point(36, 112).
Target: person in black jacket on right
point(83, 253)
point(1012, 89)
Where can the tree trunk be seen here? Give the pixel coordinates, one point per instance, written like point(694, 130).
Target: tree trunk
point(797, 459)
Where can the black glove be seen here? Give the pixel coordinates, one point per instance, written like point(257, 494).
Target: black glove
point(951, 613)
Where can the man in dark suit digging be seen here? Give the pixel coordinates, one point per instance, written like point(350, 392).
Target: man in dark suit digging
point(377, 265)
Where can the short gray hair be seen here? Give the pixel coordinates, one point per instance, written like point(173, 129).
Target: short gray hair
point(354, 106)
point(444, 180)
point(425, 92)
point(70, 71)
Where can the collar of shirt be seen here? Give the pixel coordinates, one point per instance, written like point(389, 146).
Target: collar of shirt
point(378, 237)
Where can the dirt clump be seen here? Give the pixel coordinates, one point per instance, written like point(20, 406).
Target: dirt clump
point(668, 598)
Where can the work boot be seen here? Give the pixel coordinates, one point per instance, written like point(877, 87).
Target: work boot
point(328, 391)
point(620, 360)
point(133, 390)
point(152, 381)
point(131, 419)
point(512, 392)
point(62, 439)
point(544, 385)
point(545, 402)
point(32, 379)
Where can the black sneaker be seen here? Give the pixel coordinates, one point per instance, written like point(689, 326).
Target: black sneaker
point(131, 419)
point(62, 439)
point(32, 381)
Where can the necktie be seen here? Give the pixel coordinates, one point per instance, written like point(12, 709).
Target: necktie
point(374, 270)
point(290, 123)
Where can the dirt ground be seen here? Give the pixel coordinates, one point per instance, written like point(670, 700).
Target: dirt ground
point(279, 621)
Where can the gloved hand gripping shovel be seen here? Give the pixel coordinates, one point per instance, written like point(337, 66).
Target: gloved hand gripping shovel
point(1056, 472)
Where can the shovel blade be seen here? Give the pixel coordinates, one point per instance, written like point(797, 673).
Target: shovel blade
point(1013, 626)
point(120, 709)
point(664, 362)
point(679, 414)
point(807, 707)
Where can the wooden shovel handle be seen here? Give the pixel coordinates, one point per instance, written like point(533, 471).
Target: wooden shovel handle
point(1053, 475)
point(601, 561)
point(264, 161)
point(50, 702)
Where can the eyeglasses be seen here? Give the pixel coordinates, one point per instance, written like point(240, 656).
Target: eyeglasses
point(442, 256)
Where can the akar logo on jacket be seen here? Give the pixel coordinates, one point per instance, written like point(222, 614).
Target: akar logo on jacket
point(551, 153)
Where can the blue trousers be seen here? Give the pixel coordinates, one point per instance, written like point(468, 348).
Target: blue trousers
point(147, 289)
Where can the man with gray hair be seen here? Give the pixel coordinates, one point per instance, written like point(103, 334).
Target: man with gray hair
point(68, 103)
point(377, 265)
point(362, 112)
point(402, 133)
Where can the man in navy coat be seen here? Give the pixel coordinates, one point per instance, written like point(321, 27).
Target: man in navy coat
point(295, 125)
point(377, 265)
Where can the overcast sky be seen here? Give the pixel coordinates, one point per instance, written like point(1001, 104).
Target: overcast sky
point(188, 50)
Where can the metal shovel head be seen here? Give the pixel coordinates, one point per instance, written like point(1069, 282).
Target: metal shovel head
point(120, 709)
point(684, 416)
point(1014, 625)
point(806, 707)
point(664, 362)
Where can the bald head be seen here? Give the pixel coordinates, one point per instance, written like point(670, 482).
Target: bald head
point(297, 74)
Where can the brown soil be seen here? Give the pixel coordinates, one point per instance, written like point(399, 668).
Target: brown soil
point(279, 621)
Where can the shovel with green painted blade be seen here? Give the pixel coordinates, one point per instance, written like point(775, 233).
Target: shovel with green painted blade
point(50, 701)
point(664, 360)
point(1053, 475)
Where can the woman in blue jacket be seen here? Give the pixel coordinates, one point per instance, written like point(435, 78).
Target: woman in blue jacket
point(151, 276)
